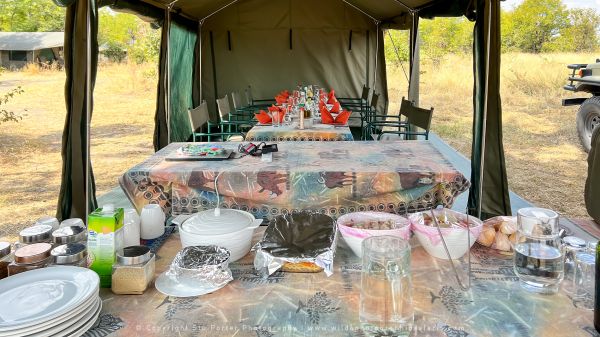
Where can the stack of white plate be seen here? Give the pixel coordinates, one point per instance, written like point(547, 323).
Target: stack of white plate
point(54, 301)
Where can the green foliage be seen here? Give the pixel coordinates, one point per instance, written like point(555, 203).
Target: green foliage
point(5, 115)
point(580, 34)
point(533, 24)
point(125, 35)
point(31, 16)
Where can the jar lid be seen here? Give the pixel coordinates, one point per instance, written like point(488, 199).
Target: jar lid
point(4, 249)
point(33, 253)
point(592, 245)
point(574, 242)
point(585, 258)
point(134, 255)
point(69, 253)
point(538, 213)
point(223, 221)
point(69, 234)
point(47, 220)
point(72, 222)
point(35, 234)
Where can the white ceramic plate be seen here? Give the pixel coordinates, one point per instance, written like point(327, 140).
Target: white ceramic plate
point(40, 295)
point(183, 288)
point(85, 326)
point(73, 324)
point(84, 307)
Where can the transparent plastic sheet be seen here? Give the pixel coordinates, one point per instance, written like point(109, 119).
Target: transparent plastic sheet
point(295, 238)
point(206, 264)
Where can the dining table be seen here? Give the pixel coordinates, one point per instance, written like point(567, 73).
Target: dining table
point(333, 178)
point(292, 132)
point(313, 304)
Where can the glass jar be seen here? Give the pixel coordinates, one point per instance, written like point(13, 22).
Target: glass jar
point(35, 234)
point(134, 270)
point(571, 245)
point(71, 254)
point(69, 234)
point(72, 222)
point(30, 257)
point(5, 259)
point(48, 220)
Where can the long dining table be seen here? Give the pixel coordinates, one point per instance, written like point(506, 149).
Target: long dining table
point(314, 305)
point(333, 178)
point(291, 132)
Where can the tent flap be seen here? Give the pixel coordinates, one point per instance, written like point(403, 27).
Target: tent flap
point(75, 155)
point(487, 109)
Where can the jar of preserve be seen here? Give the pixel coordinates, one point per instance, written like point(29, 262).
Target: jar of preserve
point(134, 270)
point(69, 234)
point(35, 234)
point(5, 259)
point(70, 254)
point(30, 257)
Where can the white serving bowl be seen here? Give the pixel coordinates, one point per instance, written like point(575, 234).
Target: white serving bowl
point(229, 228)
point(456, 238)
point(355, 236)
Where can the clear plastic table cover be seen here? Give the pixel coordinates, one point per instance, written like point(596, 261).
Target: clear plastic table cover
point(298, 237)
point(206, 264)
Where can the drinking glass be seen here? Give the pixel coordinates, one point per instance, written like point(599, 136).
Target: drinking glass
point(386, 288)
point(275, 118)
point(538, 259)
point(585, 279)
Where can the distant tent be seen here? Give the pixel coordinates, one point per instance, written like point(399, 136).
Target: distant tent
point(19, 48)
point(209, 48)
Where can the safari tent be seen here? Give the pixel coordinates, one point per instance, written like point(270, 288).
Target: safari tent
point(211, 47)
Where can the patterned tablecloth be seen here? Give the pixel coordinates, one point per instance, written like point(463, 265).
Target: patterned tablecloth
point(318, 132)
point(331, 177)
point(287, 304)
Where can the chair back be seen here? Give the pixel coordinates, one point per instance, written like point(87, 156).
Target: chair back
point(365, 93)
point(198, 116)
point(420, 117)
point(374, 100)
point(236, 98)
point(249, 96)
point(223, 107)
point(405, 107)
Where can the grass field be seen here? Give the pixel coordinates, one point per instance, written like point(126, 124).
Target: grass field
point(545, 163)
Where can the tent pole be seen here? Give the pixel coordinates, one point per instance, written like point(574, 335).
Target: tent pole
point(360, 10)
point(168, 74)
point(485, 107)
point(376, 54)
point(88, 105)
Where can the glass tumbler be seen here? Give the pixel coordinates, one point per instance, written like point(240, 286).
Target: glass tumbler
point(538, 259)
point(585, 279)
point(386, 288)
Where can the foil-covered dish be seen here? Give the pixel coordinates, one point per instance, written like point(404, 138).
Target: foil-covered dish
point(297, 242)
point(208, 265)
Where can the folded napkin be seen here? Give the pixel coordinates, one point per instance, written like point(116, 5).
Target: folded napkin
point(326, 117)
point(280, 99)
point(336, 107)
point(263, 117)
point(273, 108)
point(332, 99)
point(343, 117)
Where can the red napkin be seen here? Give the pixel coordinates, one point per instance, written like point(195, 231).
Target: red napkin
point(343, 117)
point(263, 117)
point(326, 117)
point(336, 107)
point(273, 108)
point(280, 99)
point(332, 99)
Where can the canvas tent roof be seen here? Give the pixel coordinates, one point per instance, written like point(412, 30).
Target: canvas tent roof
point(31, 40)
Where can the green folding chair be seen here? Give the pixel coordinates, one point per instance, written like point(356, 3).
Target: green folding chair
point(199, 119)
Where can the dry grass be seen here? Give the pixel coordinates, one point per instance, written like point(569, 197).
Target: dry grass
point(545, 162)
point(122, 128)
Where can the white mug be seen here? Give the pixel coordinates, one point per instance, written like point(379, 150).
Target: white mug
point(131, 228)
point(153, 222)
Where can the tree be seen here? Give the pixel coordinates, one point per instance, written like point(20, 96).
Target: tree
point(31, 16)
point(534, 23)
point(580, 33)
point(5, 115)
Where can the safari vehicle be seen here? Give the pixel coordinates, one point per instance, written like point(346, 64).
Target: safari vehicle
point(585, 78)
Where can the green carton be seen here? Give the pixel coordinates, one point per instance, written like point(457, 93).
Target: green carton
point(105, 238)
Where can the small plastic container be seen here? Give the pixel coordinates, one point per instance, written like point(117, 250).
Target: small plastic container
point(134, 270)
point(70, 254)
point(71, 234)
point(5, 259)
point(30, 257)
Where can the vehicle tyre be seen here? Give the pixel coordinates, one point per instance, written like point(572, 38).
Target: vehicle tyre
point(588, 118)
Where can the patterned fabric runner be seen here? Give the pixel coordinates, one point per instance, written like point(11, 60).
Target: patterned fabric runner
point(287, 304)
point(318, 132)
point(331, 177)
